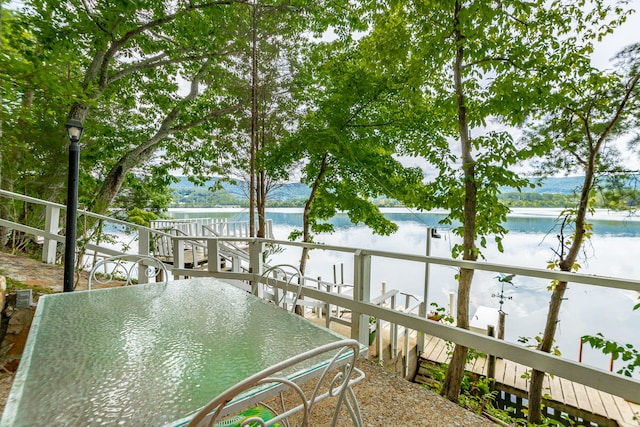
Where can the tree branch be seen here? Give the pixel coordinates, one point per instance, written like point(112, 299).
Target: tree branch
point(159, 61)
point(369, 125)
point(118, 44)
point(492, 59)
point(631, 85)
point(204, 119)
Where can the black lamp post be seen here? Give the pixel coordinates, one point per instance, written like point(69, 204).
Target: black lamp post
point(74, 130)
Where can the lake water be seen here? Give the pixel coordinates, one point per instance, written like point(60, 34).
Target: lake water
point(612, 251)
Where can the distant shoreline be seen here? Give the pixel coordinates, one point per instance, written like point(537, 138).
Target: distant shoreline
point(599, 214)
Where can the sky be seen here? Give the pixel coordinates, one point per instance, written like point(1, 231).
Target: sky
point(627, 34)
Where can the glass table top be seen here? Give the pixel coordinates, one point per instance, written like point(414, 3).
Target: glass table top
point(147, 354)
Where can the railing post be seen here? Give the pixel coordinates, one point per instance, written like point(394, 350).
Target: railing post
point(143, 249)
point(144, 241)
point(51, 223)
point(380, 341)
point(501, 320)
point(491, 366)
point(256, 248)
point(422, 310)
point(393, 331)
point(270, 228)
point(362, 293)
point(328, 308)
point(319, 309)
point(407, 303)
point(215, 261)
point(178, 256)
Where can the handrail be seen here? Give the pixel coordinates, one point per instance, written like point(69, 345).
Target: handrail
point(80, 211)
point(587, 279)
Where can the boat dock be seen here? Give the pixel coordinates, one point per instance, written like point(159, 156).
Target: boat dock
point(563, 398)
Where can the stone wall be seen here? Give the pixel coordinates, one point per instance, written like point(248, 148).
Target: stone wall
point(14, 329)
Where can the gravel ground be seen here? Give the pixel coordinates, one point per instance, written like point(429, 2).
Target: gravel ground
point(385, 399)
point(388, 400)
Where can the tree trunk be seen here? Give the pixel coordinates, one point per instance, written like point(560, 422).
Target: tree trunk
point(261, 190)
point(537, 377)
point(306, 232)
point(4, 209)
point(557, 296)
point(567, 262)
point(254, 120)
point(115, 177)
point(455, 373)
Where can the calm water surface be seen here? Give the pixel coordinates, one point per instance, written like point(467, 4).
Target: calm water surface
point(612, 251)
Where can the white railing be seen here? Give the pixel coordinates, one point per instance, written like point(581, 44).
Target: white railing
point(360, 302)
point(51, 231)
point(210, 227)
point(140, 240)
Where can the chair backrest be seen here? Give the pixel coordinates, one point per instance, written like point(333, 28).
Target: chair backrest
point(286, 281)
point(127, 269)
point(333, 365)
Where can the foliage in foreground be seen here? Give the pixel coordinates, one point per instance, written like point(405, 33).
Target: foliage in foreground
point(625, 352)
point(478, 396)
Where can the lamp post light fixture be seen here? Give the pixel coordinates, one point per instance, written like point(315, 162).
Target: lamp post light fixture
point(74, 130)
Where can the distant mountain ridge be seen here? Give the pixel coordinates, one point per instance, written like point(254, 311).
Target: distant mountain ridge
point(554, 185)
point(239, 190)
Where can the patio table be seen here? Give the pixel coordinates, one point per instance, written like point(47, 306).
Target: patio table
point(148, 354)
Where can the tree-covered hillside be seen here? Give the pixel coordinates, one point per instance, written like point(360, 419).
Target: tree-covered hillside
point(555, 192)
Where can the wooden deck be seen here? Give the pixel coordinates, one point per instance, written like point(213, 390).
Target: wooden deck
point(564, 394)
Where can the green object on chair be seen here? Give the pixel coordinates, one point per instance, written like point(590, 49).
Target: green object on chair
point(236, 420)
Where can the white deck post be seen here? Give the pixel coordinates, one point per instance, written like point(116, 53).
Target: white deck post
point(52, 220)
point(214, 256)
point(143, 249)
point(361, 292)
point(178, 256)
point(144, 239)
point(393, 331)
point(424, 307)
point(255, 264)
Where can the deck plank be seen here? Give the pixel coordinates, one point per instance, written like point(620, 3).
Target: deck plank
point(479, 365)
point(521, 379)
point(429, 343)
point(546, 386)
point(555, 389)
point(626, 411)
point(430, 347)
point(568, 392)
point(439, 353)
point(597, 407)
point(610, 406)
point(582, 397)
point(501, 369)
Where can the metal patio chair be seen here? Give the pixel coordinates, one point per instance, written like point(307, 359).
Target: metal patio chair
point(126, 269)
point(285, 281)
point(332, 364)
